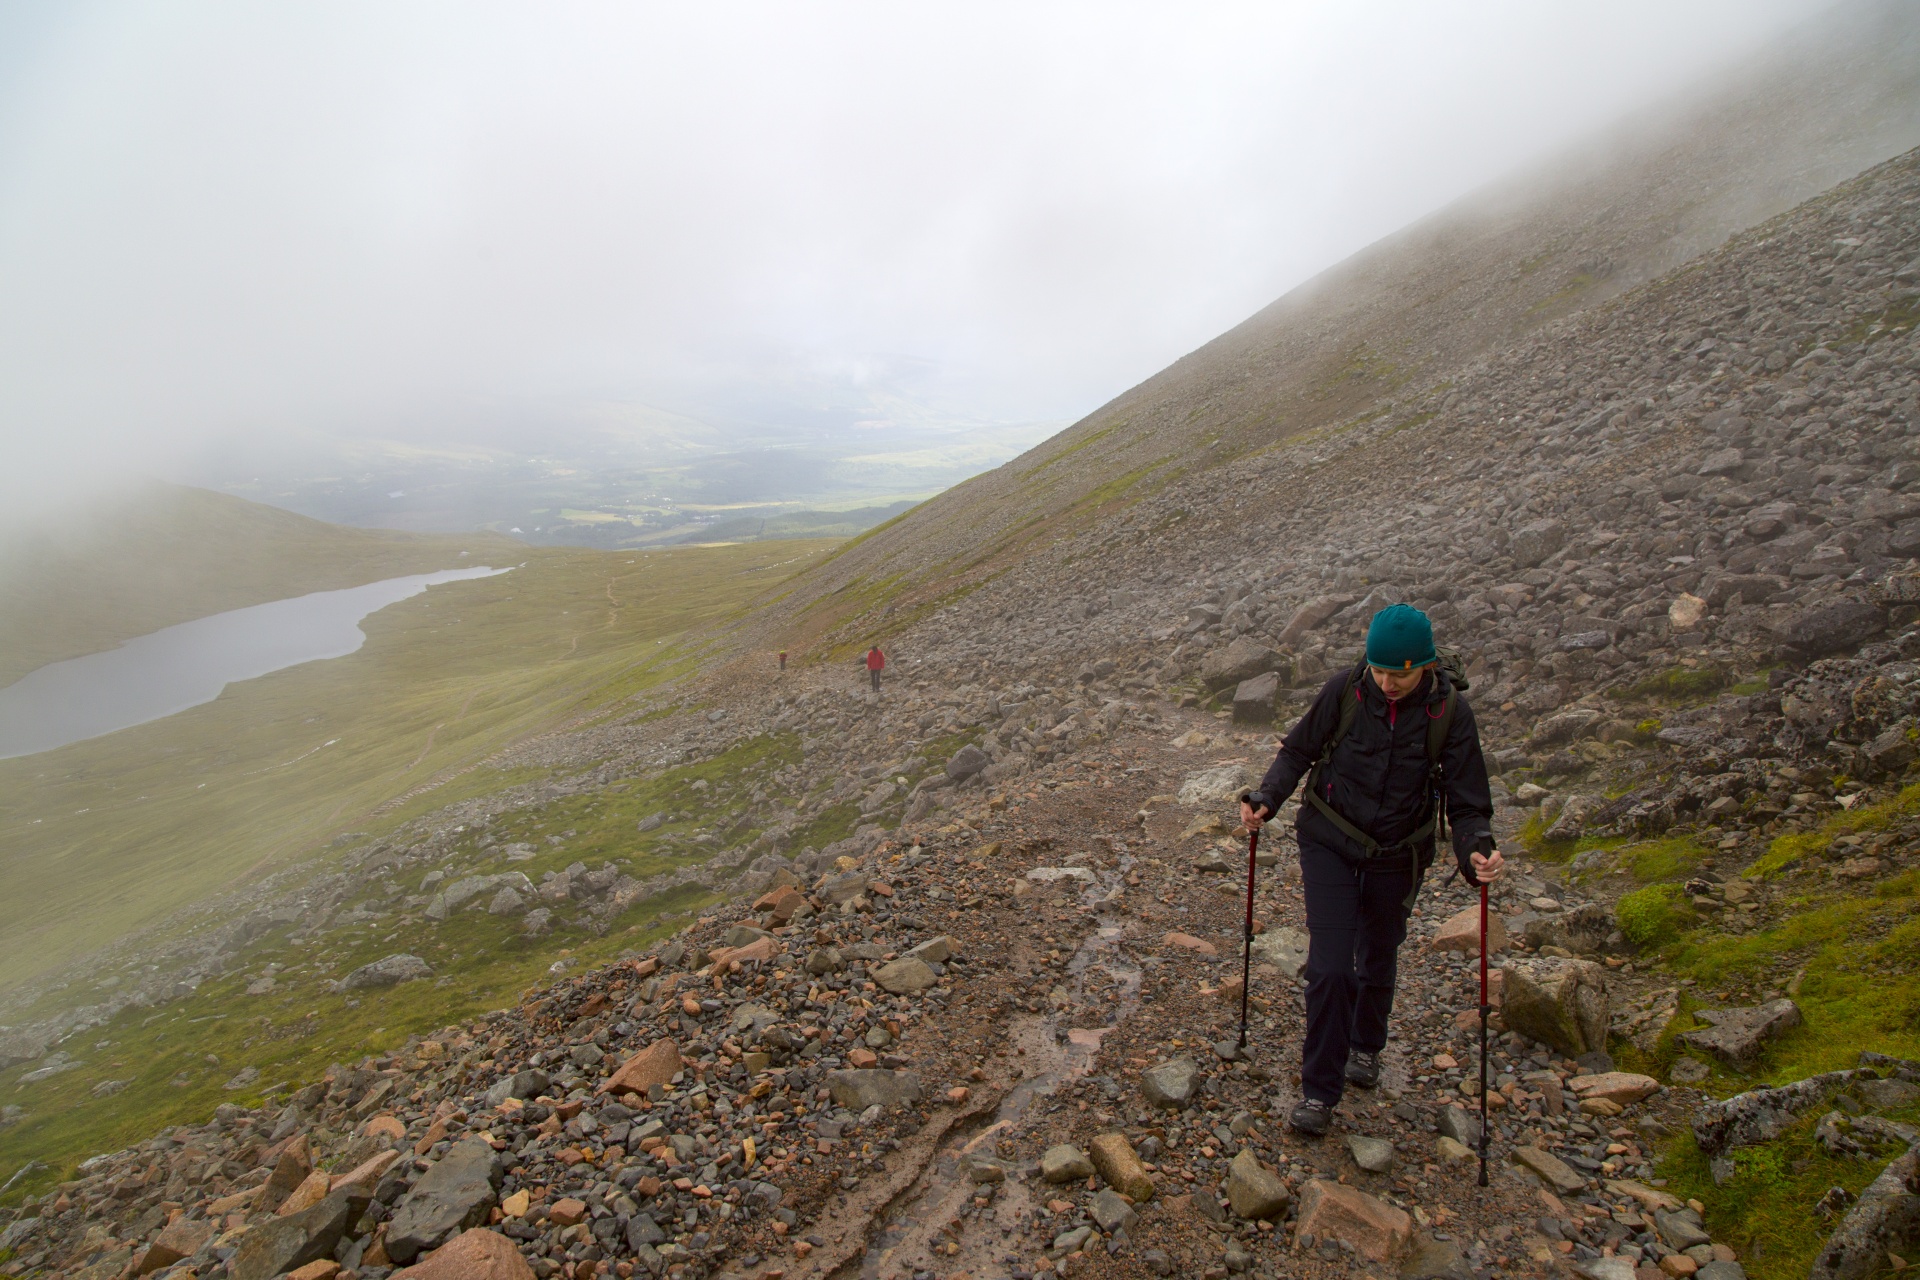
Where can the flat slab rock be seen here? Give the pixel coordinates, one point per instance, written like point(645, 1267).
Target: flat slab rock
point(1738, 1036)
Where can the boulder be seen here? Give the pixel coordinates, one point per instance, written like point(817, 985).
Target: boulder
point(477, 1254)
point(1375, 1229)
point(1461, 932)
point(1553, 730)
point(657, 1064)
point(456, 1193)
point(1885, 1219)
point(1559, 1002)
point(281, 1244)
point(1839, 627)
point(23, 1044)
point(1761, 1115)
point(1622, 1087)
point(858, 1089)
point(1583, 930)
point(1241, 660)
point(1687, 612)
point(1534, 542)
point(1311, 615)
point(843, 888)
point(387, 972)
point(1254, 1191)
point(1171, 1084)
point(1738, 1036)
point(1119, 1166)
point(181, 1239)
point(523, 1085)
point(966, 763)
point(1253, 700)
point(909, 975)
point(290, 1169)
point(1065, 1162)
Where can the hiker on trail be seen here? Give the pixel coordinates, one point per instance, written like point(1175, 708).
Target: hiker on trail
point(1390, 753)
point(876, 663)
point(783, 659)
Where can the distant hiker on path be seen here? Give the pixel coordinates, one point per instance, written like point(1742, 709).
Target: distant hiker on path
point(783, 659)
point(876, 663)
point(1390, 753)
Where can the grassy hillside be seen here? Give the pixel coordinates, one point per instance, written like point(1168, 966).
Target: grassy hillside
point(164, 554)
point(120, 831)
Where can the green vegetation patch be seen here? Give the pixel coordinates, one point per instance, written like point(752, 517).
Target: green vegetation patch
point(1676, 684)
point(1798, 847)
point(1659, 861)
point(1766, 1211)
point(1655, 915)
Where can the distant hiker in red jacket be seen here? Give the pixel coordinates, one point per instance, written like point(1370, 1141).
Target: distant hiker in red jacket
point(783, 659)
point(876, 662)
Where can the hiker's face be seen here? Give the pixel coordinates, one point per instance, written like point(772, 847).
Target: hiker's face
point(1398, 684)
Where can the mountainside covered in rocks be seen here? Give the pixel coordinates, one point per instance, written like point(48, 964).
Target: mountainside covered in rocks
point(959, 993)
point(1402, 316)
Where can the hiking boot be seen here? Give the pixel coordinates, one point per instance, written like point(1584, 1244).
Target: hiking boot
point(1312, 1117)
point(1363, 1068)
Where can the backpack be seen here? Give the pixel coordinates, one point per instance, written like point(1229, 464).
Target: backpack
point(1451, 671)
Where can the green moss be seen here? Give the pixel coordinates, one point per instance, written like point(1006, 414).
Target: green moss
point(1797, 847)
point(1659, 861)
point(1676, 684)
point(1764, 1211)
point(1653, 915)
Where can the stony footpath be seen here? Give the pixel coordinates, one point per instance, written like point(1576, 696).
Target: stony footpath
point(999, 1046)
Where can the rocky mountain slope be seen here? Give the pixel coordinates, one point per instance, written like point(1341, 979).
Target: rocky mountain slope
point(1401, 317)
point(960, 995)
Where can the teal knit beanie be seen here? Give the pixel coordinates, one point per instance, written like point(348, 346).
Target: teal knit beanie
point(1400, 638)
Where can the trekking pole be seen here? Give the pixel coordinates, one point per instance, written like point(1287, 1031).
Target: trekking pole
point(1485, 1009)
point(1246, 948)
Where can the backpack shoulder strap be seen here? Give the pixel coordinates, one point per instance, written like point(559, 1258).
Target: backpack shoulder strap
point(1438, 727)
point(1349, 708)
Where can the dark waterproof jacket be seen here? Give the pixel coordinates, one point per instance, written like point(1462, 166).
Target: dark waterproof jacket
point(1377, 778)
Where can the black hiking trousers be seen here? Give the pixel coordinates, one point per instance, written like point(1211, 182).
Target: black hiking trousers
point(1355, 925)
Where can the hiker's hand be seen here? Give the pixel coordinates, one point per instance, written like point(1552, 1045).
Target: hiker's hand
point(1487, 868)
point(1251, 818)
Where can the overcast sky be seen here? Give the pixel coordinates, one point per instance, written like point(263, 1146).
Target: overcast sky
point(245, 216)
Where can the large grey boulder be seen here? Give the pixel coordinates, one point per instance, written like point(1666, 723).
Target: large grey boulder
point(856, 1090)
point(1311, 615)
point(1832, 628)
point(1241, 660)
point(1533, 543)
point(967, 761)
point(1562, 1003)
point(1761, 1115)
point(1584, 929)
point(1886, 1219)
point(456, 1193)
point(387, 972)
point(281, 1244)
point(1738, 1036)
point(523, 1085)
point(1253, 700)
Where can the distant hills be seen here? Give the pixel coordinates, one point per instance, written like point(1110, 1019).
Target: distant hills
point(161, 554)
